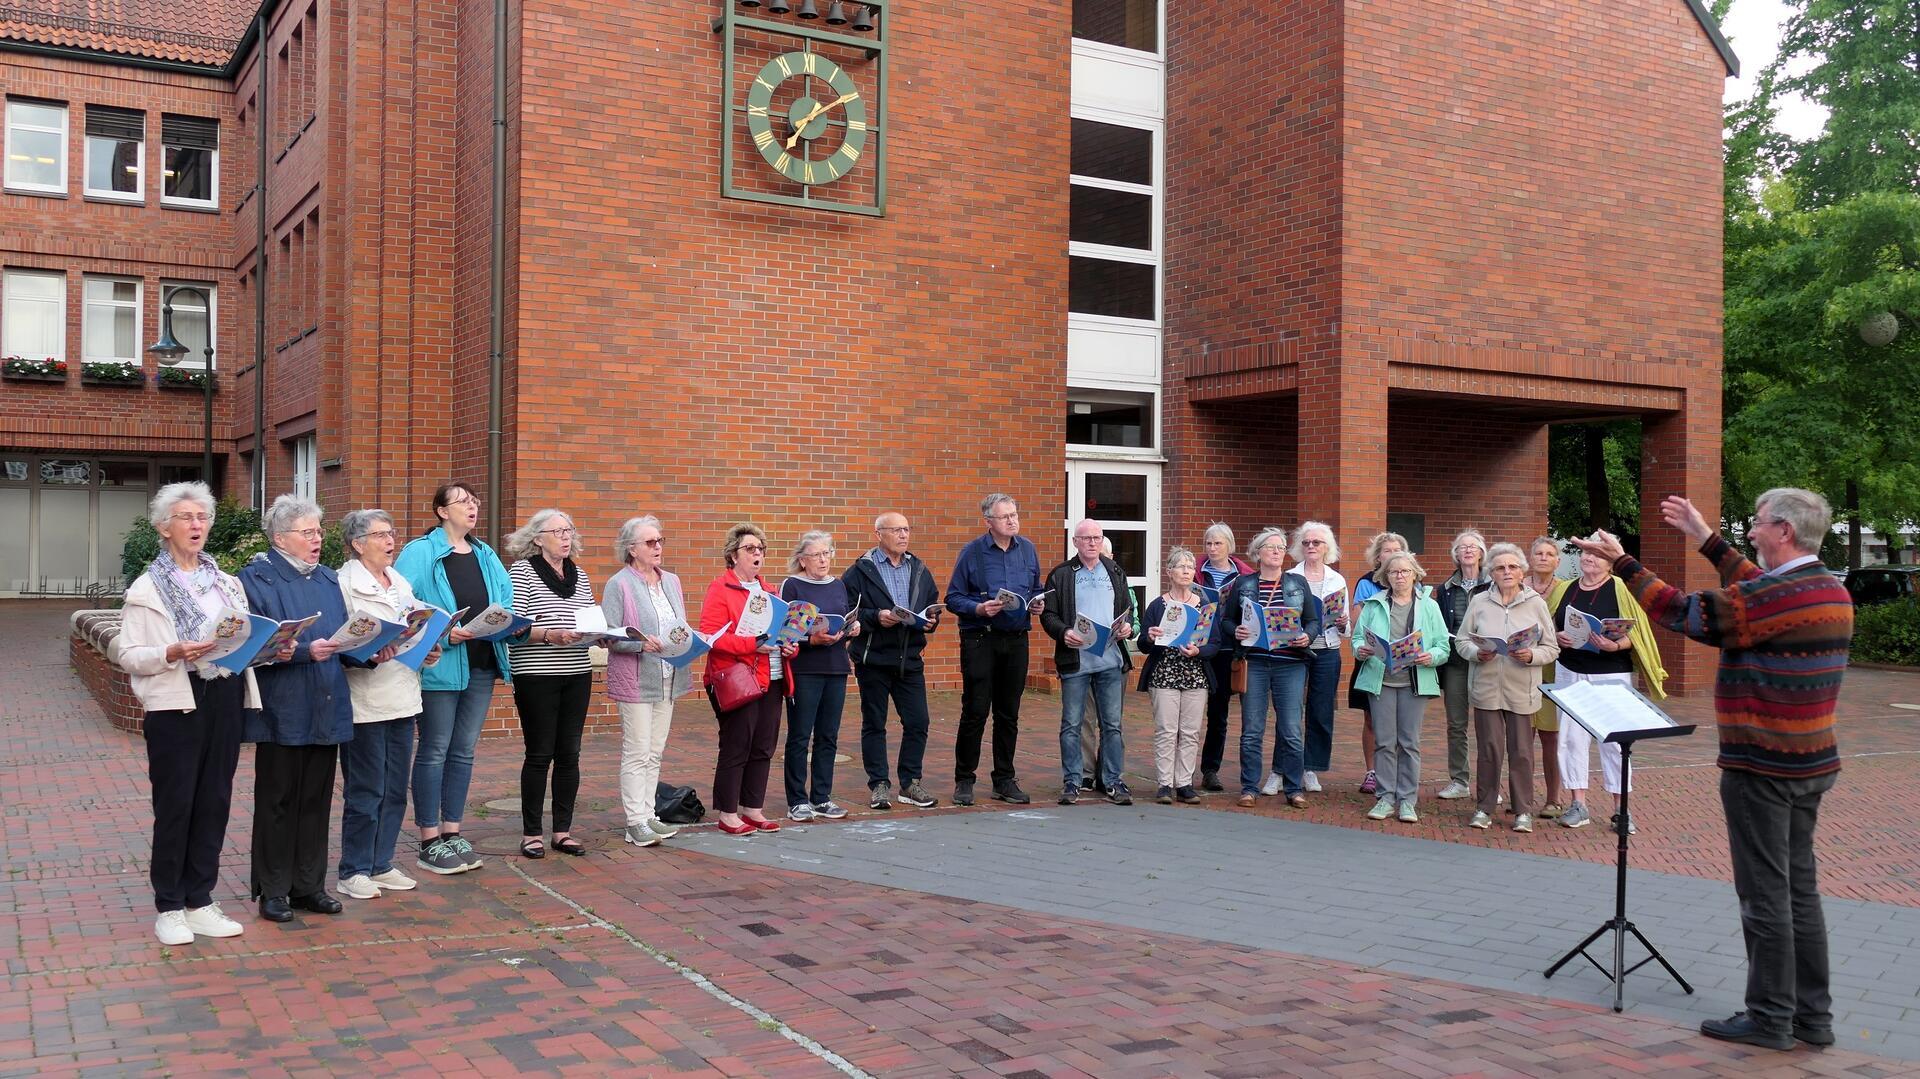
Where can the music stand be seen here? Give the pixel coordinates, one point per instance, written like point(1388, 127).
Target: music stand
point(1620, 715)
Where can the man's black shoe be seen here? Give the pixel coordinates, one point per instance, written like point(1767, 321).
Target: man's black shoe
point(1011, 792)
point(962, 794)
point(1210, 781)
point(1087, 784)
point(1821, 1036)
point(317, 903)
point(275, 909)
point(1187, 796)
point(1740, 1027)
point(1119, 795)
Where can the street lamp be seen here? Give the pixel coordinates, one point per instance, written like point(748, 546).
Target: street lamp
point(169, 352)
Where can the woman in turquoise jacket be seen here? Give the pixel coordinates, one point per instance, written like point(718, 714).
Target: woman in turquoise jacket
point(451, 569)
point(1399, 699)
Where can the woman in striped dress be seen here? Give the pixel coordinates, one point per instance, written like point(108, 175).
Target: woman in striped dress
point(552, 674)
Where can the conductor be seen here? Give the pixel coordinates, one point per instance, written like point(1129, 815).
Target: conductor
point(1783, 630)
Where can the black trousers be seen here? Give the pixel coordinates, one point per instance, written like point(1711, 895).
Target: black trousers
point(292, 805)
point(1770, 825)
point(1213, 746)
point(993, 669)
point(553, 713)
point(191, 758)
point(748, 735)
point(908, 692)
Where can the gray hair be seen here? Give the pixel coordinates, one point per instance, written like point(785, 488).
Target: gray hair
point(1805, 512)
point(807, 539)
point(1538, 540)
point(738, 533)
point(1220, 529)
point(630, 534)
point(883, 516)
point(1333, 545)
point(286, 511)
point(1500, 550)
point(1381, 539)
point(992, 500)
point(1386, 567)
point(1480, 541)
point(524, 541)
point(1177, 553)
point(173, 494)
point(357, 523)
point(1266, 538)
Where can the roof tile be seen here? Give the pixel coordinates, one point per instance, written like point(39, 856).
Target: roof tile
point(189, 31)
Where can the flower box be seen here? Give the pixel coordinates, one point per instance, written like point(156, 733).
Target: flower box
point(175, 378)
point(21, 369)
point(112, 374)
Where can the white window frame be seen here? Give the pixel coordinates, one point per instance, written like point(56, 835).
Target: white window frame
point(305, 453)
point(211, 203)
point(65, 122)
point(1155, 190)
point(139, 195)
point(87, 353)
point(1121, 51)
point(195, 360)
point(59, 304)
point(1090, 451)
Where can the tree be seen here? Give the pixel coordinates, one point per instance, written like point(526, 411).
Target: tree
point(1864, 58)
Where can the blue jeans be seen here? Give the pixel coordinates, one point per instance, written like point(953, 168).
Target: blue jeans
point(1282, 682)
point(1107, 686)
point(813, 725)
point(1323, 691)
point(449, 730)
point(374, 768)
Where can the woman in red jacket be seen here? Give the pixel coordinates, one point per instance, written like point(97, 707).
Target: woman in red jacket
point(750, 730)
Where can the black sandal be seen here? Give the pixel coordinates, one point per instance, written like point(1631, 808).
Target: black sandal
point(569, 845)
point(533, 848)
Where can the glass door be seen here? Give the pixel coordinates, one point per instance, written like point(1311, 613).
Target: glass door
point(1125, 499)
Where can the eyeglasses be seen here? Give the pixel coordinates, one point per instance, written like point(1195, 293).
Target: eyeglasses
point(305, 533)
point(1003, 516)
point(828, 553)
point(559, 532)
point(655, 542)
point(383, 535)
point(1313, 543)
point(469, 500)
point(750, 548)
point(898, 530)
point(193, 518)
point(1088, 539)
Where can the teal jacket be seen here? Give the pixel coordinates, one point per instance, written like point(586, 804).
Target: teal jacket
point(420, 564)
point(1375, 617)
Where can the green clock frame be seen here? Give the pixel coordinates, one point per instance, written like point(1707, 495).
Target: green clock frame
point(858, 105)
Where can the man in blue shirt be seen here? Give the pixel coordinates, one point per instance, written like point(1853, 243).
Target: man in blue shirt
point(993, 644)
point(1094, 586)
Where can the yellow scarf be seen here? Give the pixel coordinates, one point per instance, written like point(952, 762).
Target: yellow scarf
point(1646, 651)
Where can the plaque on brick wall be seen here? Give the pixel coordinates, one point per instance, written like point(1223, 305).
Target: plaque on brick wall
point(804, 104)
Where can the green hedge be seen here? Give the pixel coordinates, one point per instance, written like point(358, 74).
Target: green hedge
point(1888, 633)
point(235, 538)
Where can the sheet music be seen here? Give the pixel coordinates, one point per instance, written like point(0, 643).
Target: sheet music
point(1607, 709)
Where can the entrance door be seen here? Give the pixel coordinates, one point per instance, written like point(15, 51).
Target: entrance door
point(1125, 499)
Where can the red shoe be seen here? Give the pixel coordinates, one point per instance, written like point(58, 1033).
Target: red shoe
point(763, 825)
point(745, 827)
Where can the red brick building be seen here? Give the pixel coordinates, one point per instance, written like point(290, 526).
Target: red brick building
point(1319, 259)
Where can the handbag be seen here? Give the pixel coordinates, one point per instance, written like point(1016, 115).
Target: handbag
point(734, 687)
point(677, 805)
point(1237, 676)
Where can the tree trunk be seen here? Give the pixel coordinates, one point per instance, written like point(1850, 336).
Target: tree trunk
point(1599, 497)
point(1854, 540)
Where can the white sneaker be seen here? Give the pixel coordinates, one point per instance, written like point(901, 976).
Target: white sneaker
point(1454, 790)
point(662, 828)
point(1272, 786)
point(641, 836)
point(1408, 814)
point(1381, 810)
point(1481, 821)
point(394, 881)
point(171, 928)
point(358, 886)
point(1523, 823)
point(1310, 783)
point(208, 921)
point(800, 813)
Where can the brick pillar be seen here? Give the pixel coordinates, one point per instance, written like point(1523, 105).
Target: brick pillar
point(1343, 446)
point(1680, 454)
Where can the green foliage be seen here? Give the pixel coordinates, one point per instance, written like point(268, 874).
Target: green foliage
point(1571, 495)
point(233, 524)
point(1888, 633)
point(1861, 59)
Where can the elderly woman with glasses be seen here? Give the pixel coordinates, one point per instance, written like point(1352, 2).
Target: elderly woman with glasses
point(1505, 686)
point(646, 597)
point(552, 675)
point(306, 715)
point(1314, 551)
point(375, 766)
point(1276, 674)
point(194, 711)
point(820, 671)
point(749, 729)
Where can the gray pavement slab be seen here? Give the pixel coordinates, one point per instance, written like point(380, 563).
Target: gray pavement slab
point(1421, 907)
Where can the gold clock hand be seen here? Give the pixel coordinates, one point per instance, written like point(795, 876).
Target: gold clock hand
point(818, 110)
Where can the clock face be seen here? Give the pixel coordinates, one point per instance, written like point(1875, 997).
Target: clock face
point(807, 118)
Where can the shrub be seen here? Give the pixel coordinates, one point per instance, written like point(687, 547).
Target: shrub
point(1888, 633)
point(122, 373)
point(233, 523)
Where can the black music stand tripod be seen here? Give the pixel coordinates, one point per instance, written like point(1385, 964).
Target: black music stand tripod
point(1619, 925)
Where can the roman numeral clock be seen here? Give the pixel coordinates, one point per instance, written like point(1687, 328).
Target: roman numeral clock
point(804, 120)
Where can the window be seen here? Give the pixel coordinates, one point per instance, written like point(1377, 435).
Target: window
point(33, 323)
point(36, 146)
point(192, 166)
point(1130, 24)
point(1113, 222)
point(190, 321)
point(303, 457)
point(116, 153)
point(111, 330)
point(1110, 419)
point(1114, 289)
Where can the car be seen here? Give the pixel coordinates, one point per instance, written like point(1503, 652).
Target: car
point(1873, 585)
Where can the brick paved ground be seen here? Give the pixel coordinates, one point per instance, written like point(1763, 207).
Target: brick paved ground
point(561, 966)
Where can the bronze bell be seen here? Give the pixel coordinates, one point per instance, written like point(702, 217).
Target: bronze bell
point(807, 10)
point(778, 7)
point(862, 21)
point(836, 14)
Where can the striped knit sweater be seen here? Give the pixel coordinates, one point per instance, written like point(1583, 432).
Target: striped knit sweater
point(1783, 642)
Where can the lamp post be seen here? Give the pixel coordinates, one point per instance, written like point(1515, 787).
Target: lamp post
point(169, 352)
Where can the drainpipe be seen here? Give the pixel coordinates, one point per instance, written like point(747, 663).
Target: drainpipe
point(497, 273)
point(261, 113)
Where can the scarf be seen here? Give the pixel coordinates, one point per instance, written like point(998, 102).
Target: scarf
point(306, 568)
point(187, 614)
point(561, 585)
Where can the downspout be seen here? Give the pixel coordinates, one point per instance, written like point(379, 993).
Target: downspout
point(261, 113)
point(497, 273)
